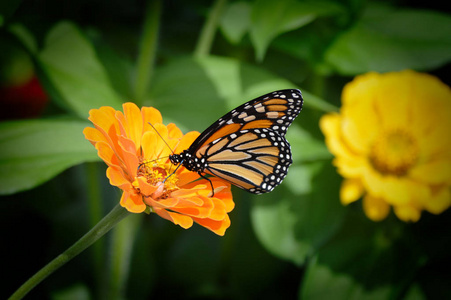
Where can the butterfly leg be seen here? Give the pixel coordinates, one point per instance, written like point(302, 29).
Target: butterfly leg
point(172, 173)
point(211, 183)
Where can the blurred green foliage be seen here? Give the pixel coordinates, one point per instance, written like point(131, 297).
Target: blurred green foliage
point(297, 241)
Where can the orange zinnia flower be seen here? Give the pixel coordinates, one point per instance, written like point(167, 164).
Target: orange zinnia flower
point(138, 163)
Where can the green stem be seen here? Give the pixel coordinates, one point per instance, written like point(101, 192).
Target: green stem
point(207, 34)
point(108, 222)
point(147, 50)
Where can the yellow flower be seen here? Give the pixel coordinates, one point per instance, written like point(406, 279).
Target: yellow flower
point(392, 144)
point(138, 163)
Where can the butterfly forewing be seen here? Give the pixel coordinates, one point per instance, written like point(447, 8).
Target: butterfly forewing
point(247, 146)
point(276, 110)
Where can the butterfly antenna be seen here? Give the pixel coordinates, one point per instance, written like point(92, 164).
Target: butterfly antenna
point(161, 137)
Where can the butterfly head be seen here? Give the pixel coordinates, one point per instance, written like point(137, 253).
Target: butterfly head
point(175, 159)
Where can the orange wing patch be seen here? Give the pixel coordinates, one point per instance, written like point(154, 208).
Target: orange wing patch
point(258, 124)
point(226, 130)
point(277, 108)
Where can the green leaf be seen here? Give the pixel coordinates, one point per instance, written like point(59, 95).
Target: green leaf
point(387, 40)
point(119, 69)
point(34, 151)
point(304, 146)
point(184, 94)
point(71, 66)
point(235, 21)
point(373, 254)
point(272, 18)
point(25, 36)
point(7, 9)
point(210, 86)
point(322, 283)
point(294, 225)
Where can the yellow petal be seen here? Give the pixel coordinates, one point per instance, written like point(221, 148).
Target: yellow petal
point(393, 97)
point(331, 127)
point(360, 122)
point(375, 208)
point(434, 172)
point(431, 114)
point(439, 201)
point(394, 190)
point(351, 167)
point(407, 213)
point(351, 190)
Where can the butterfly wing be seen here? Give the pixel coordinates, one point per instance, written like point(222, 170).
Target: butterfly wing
point(247, 146)
point(256, 160)
point(276, 110)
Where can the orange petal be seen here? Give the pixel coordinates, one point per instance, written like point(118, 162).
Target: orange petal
point(148, 142)
point(166, 203)
point(226, 197)
point(103, 118)
point(174, 131)
point(219, 211)
point(186, 177)
point(129, 159)
point(178, 219)
point(186, 141)
point(152, 116)
point(108, 155)
point(218, 227)
point(94, 135)
point(144, 187)
point(134, 123)
point(201, 211)
point(132, 202)
point(118, 179)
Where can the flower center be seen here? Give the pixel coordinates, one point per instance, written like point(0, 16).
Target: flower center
point(394, 152)
point(157, 173)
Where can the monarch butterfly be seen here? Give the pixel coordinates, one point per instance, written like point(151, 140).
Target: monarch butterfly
point(247, 146)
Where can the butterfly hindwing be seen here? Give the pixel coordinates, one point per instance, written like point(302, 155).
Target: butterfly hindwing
point(256, 160)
